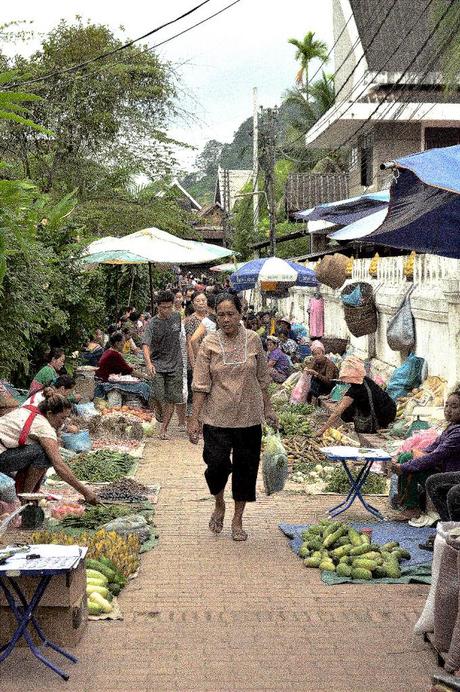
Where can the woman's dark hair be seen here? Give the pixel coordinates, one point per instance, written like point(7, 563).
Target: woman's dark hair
point(126, 330)
point(134, 316)
point(232, 298)
point(455, 391)
point(54, 353)
point(53, 403)
point(195, 294)
point(64, 381)
point(115, 338)
point(211, 298)
point(112, 329)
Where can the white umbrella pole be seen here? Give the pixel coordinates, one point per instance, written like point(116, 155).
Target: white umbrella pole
point(132, 285)
point(151, 286)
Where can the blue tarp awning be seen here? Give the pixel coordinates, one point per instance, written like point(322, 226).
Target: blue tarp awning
point(424, 209)
point(346, 211)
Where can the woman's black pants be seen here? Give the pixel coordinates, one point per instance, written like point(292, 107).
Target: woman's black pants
point(444, 491)
point(233, 451)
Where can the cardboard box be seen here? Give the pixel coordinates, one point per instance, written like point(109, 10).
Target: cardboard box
point(63, 589)
point(63, 626)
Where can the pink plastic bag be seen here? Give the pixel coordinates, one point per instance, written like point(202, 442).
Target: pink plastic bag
point(300, 391)
point(420, 440)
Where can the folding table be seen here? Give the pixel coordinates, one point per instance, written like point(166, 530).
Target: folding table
point(367, 457)
point(45, 567)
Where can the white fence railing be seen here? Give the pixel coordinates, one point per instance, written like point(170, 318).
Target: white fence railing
point(428, 269)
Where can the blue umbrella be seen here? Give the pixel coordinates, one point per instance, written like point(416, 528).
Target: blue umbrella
point(272, 269)
point(424, 209)
point(346, 211)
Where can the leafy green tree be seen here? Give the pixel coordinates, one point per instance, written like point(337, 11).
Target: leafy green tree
point(308, 49)
point(115, 110)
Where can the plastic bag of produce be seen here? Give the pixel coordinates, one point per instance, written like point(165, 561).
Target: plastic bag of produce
point(274, 464)
point(133, 524)
point(77, 442)
point(300, 391)
point(420, 440)
point(7, 489)
point(86, 410)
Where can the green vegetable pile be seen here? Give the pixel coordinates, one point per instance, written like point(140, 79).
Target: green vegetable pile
point(338, 482)
point(95, 517)
point(293, 419)
point(101, 466)
point(337, 547)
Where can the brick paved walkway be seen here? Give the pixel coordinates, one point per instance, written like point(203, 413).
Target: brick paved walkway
point(210, 614)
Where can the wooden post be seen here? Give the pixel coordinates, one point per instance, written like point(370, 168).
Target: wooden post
point(151, 287)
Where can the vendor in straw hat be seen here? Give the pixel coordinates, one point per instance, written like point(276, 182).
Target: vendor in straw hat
point(365, 404)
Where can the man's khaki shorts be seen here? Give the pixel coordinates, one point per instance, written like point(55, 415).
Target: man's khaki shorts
point(166, 387)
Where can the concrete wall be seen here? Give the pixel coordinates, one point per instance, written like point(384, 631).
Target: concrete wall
point(435, 306)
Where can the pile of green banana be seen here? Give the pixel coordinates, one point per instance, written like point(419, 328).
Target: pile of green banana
point(337, 547)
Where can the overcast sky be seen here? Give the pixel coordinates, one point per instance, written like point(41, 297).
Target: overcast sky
point(220, 61)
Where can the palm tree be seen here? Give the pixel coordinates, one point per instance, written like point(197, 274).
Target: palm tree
point(308, 49)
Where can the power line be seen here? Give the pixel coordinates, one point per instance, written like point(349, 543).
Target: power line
point(335, 109)
point(107, 54)
point(398, 81)
point(203, 21)
point(323, 62)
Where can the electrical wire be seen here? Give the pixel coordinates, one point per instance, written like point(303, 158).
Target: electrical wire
point(398, 81)
point(335, 109)
point(109, 53)
point(203, 21)
point(323, 62)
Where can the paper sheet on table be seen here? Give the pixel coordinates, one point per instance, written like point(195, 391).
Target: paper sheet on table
point(341, 452)
point(51, 557)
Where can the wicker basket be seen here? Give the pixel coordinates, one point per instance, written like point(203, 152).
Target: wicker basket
point(84, 383)
point(333, 344)
point(332, 270)
point(361, 320)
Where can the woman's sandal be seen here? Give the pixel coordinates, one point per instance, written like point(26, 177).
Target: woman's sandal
point(239, 534)
point(216, 524)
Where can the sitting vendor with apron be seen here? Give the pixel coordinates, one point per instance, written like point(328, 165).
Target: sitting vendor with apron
point(29, 445)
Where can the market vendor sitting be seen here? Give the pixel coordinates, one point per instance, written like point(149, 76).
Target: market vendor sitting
point(29, 444)
point(112, 361)
point(365, 404)
point(437, 468)
point(63, 386)
point(92, 351)
point(279, 364)
point(50, 372)
point(323, 373)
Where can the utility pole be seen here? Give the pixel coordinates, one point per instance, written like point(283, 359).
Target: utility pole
point(255, 163)
point(226, 201)
point(268, 165)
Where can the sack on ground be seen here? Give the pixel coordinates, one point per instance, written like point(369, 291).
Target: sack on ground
point(446, 599)
point(407, 377)
point(274, 464)
point(401, 327)
point(452, 662)
point(7, 489)
point(77, 442)
point(425, 623)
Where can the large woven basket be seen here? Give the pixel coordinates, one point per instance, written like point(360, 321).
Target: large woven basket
point(332, 270)
point(333, 344)
point(361, 320)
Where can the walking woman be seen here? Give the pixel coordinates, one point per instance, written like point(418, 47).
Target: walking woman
point(230, 398)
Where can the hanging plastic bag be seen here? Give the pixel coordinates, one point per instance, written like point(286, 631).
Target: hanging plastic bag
point(77, 442)
point(401, 327)
point(300, 391)
point(274, 464)
point(407, 377)
point(354, 299)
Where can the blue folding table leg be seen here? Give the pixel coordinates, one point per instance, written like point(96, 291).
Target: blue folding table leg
point(24, 615)
point(346, 504)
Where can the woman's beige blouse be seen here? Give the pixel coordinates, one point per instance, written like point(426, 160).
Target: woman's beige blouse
point(234, 392)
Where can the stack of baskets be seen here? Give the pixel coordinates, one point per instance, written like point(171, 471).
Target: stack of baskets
point(362, 319)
